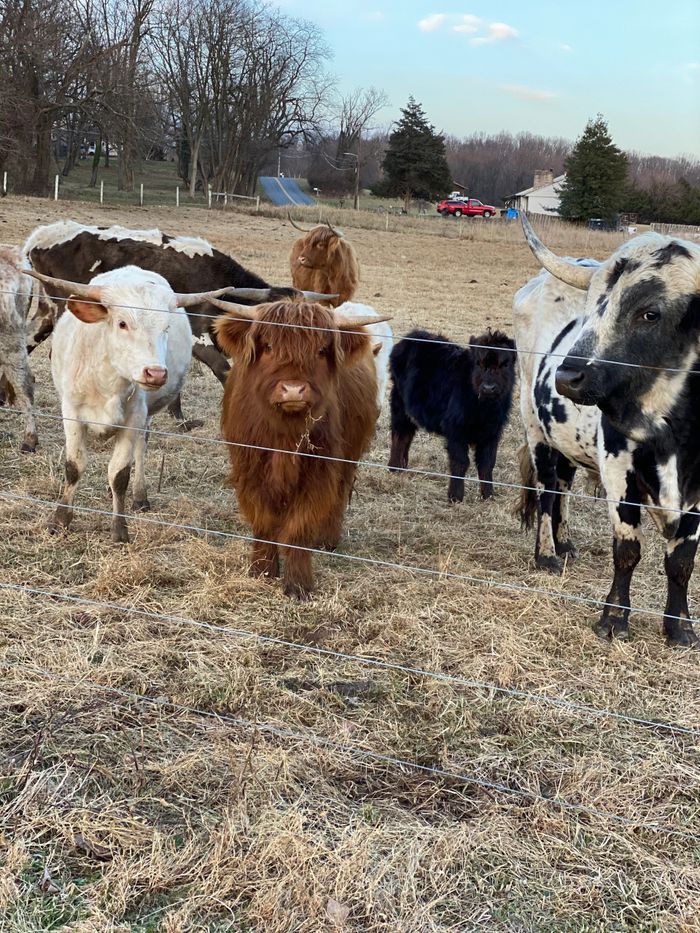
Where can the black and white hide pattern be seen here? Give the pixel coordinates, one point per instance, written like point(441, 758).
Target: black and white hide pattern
point(638, 425)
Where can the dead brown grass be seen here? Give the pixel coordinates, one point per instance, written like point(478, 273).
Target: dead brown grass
point(123, 816)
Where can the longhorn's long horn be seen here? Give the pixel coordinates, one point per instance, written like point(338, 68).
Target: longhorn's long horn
point(187, 299)
point(569, 272)
point(289, 217)
point(318, 296)
point(350, 323)
point(78, 289)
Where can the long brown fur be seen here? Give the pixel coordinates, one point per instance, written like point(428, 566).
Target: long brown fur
point(322, 261)
point(295, 500)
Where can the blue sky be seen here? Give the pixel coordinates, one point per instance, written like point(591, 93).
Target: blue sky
point(535, 65)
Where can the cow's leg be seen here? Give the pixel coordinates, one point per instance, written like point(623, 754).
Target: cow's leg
point(183, 424)
point(141, 503)
point(626, 516)
point(545, 459)
point(119, 471)
point(563, 544)
point(264, 559)
point(485, 458)
point(403, 430)
point(458, 454)
point(212, 358)
point(679, 562)
point(76, 461)
point(20, 390)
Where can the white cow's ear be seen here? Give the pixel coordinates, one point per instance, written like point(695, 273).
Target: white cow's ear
point(89, 312)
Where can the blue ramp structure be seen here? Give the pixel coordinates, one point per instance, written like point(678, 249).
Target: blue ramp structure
point(284, 192)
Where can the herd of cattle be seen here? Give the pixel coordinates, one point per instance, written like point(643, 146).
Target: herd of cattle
point(607, 354)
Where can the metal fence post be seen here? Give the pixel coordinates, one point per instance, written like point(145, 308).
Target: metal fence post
point(208, 195)
point(102, 192)
point(4, 182)
point(177, 196)
point(141, 195)
point(55, 189)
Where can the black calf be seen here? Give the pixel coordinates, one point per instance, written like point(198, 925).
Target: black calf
point(463, 394)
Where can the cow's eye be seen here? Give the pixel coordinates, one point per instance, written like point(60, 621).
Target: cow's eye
point(123, 325)
point(651, 316)
point(323, 351)
point(267, 348)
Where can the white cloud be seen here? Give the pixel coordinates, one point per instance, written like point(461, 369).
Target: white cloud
point(498, 32)
point(467, 23)
point(565, 47)
point(376, 16)
point(522, 92)
point(432, 22)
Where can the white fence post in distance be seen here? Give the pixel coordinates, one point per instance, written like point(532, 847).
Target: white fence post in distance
point(55, 189)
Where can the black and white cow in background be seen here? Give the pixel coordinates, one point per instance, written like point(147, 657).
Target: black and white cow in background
point(636, 426)
point(73, 251)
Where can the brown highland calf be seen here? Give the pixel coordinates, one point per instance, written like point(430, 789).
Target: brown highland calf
point(306, 391)
point(323, 261)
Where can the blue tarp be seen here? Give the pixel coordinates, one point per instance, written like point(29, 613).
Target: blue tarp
point(284, 192)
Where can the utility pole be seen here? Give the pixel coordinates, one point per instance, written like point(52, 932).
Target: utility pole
point(356, 202)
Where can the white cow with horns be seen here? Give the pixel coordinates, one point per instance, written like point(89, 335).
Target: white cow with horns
point(120, 356)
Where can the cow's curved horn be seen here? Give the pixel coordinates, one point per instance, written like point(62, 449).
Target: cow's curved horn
point(292, 222)
point(568, 272)
point(350, 323)
point(78, 289)
point(188, 299)
point(338, 232)
point(318, 296)
point(241, 311)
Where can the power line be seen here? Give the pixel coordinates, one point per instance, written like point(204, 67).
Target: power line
point(377, 663)
point(309, 738)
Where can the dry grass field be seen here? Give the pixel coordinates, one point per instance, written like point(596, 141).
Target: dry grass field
point(119, 813)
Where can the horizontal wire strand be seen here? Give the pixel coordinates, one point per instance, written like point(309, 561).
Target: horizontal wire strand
point(392, 337)
point(431, 474)
point(310, 738)
point(368, 661)
point(356, 558)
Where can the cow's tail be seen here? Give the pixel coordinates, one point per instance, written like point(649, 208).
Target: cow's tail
point(526, 503)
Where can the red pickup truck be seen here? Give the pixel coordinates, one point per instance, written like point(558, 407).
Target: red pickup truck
point(469, 207)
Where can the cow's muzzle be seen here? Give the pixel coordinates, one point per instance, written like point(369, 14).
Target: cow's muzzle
point(576, 383)
point(294, 396)
point(154, 377)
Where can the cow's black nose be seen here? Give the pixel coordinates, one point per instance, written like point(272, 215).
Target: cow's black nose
point(570, 382)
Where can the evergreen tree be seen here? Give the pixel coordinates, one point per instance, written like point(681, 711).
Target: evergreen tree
point(595, 175)
point(415, 163)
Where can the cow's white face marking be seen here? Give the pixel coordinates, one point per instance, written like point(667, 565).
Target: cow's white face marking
point(95, 265)
point(140, 306)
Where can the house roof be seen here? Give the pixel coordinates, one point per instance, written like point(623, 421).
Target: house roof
point(532, 190)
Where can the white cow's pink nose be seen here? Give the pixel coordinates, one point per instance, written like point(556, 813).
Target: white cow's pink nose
point(155, 375)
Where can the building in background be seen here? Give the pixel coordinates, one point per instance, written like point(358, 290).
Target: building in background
point(542, 197)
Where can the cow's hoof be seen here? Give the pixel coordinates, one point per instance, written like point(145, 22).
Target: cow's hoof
point(550, 564)
point(27, 448)
point(612, 627)
point(566, 549)
point(120, 535)
point(297, 591)
point(55, 528)
point(190, 425)
point(683, 636)
point(141, 505)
